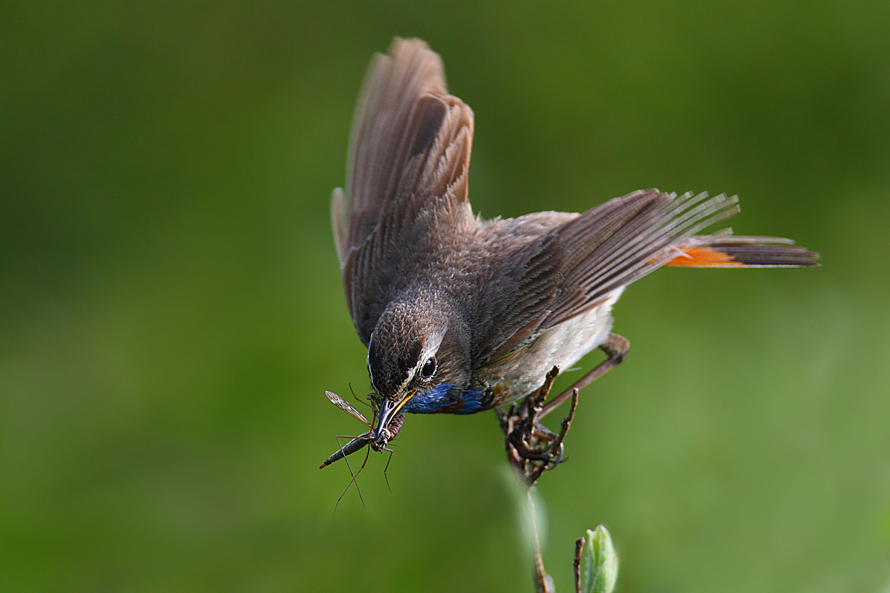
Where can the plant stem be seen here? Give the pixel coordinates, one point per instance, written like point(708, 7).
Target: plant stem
point(543, 582)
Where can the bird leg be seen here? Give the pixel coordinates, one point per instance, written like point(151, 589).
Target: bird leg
point(532, 448)
point(616, 348)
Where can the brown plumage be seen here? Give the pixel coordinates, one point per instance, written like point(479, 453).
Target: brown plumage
point(489, 305)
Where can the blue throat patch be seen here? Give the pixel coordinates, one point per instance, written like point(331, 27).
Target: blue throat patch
point(436, 400)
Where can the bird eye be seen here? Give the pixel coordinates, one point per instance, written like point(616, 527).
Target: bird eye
point(429, 368)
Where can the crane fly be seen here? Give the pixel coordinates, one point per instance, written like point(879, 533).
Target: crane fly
point(378, 439)
point(355, 444)
point(378, 442)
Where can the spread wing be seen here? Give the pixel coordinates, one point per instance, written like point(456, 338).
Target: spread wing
point(408, 160)
point(578, 262)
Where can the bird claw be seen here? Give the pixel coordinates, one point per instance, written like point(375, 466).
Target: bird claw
point(532, 448)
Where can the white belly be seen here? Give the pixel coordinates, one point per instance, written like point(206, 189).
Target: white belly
point(523, 370)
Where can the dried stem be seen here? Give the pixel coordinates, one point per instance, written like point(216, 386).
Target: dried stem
point(532, 448)
point(543, 582)
point(579, 548)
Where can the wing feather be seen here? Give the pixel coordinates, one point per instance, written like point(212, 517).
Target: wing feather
point(409, 153)
point(578, 263)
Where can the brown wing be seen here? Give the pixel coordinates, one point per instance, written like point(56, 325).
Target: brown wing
point(409, 152)
point(579, 262)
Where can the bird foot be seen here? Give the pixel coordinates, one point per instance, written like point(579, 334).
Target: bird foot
point(532, 448)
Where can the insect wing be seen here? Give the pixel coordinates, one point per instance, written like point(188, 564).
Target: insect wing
point(346, 407)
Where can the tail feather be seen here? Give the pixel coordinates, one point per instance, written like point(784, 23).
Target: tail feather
point(727, 251)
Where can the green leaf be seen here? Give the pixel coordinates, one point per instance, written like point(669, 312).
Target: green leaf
point(599, 566)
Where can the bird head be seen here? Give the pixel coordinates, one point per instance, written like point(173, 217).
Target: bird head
point(418, 356)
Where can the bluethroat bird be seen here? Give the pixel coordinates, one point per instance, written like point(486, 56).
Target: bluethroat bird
point(462, 314)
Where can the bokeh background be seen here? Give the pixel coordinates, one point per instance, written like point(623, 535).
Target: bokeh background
point(171, 308)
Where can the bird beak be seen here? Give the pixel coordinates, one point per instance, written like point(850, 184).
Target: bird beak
point(389, 409)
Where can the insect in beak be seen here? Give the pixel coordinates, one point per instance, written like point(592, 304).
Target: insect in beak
point(378, 437)
point(389, 421)
point(355, 444)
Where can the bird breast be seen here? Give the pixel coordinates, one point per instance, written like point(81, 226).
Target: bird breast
point(523, 370)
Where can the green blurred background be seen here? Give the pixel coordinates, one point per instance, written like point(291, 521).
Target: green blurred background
point(171, 308)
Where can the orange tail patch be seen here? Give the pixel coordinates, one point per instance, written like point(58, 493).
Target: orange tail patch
point(742, 252)
point(704, 257)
